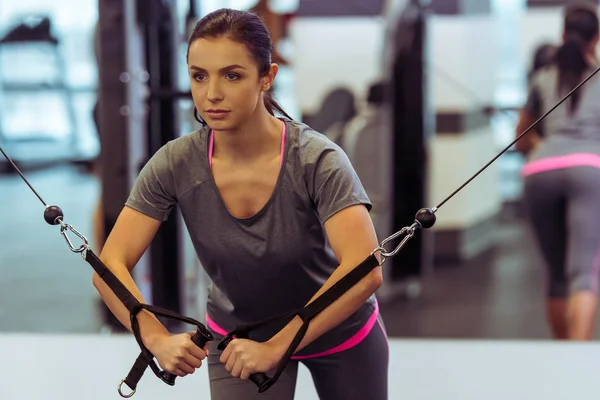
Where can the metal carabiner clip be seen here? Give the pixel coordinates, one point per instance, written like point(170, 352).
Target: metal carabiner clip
point(407, 231)
point(63, 228)
point(424, 219)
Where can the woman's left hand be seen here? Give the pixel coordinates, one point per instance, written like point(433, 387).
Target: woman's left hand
point(243, 357)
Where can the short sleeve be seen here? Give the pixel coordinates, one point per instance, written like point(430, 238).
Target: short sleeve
point(153, 192)
point(335, 184)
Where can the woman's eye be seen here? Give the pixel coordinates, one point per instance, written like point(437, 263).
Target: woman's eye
point(232, 76)
point(199, 77)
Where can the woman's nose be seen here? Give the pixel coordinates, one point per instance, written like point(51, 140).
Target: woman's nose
point(214, 92)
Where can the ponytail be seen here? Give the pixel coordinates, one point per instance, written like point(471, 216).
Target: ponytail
point(271, 105)
point(581, 28)
point(571, 63)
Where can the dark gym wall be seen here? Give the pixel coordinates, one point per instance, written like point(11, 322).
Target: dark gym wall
point(412, 128)
point(158, 25)
point(116, 105)
point(113, 98)
point(138, 42)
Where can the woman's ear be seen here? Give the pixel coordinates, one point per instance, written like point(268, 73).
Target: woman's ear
point(269, 78)
point(266, 85)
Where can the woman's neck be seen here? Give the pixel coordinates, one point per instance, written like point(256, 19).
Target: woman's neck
point(260, 136)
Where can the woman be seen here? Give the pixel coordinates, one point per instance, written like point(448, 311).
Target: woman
point(562, 176)
point(276, 214)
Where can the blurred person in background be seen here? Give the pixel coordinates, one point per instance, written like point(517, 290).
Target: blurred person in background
point(275, 24)
point(562, 175)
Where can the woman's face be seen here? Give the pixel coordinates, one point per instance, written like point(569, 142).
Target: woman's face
point(225, 82)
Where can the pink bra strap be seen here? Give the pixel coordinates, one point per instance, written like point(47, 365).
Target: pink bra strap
point(211, 144)
point(281, 153)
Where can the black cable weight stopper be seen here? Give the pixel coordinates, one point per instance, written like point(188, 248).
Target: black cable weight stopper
point(425, 217)
point(52, 215)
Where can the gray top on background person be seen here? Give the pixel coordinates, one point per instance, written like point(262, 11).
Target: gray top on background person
point(566, 131)
point(574, 126)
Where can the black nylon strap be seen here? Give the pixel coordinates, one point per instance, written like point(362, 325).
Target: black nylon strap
point(173, 315)
point(138, 369)
point(146, 358)
point(241, 331)
point(290, 351)
point(134, 307)
point(169, 314)
point(338, 289)
point(120, 290)
point(322, 302)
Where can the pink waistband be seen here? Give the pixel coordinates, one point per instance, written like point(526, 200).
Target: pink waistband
point(353, 341)
point(561, 162)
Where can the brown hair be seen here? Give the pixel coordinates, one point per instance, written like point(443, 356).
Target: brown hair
point(580, 28)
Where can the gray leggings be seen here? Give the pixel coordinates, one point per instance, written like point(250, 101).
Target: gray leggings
point(360, 373)
point(564, 209)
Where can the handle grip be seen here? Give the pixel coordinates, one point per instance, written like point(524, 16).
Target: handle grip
point(260, 379)
point(199, 340)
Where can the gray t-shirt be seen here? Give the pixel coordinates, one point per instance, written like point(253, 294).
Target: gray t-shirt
point(276, 260)
point(565, 133)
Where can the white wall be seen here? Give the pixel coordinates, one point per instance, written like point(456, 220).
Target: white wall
point(454, 159)
point(464, 63)
point(539, 25)
point(463, 72)
point(328, 53)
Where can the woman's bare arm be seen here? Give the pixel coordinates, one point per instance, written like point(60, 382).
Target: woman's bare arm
point(130, 237)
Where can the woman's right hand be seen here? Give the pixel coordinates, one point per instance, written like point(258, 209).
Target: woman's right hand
point(177, 354)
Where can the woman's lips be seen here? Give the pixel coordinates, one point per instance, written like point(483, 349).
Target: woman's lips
point(217, 114)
